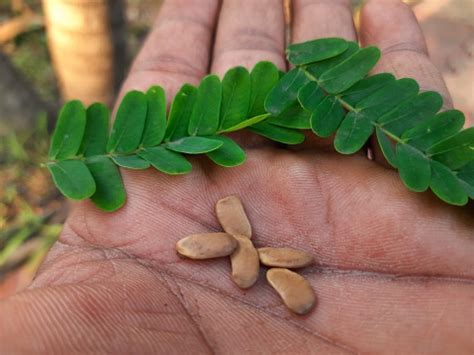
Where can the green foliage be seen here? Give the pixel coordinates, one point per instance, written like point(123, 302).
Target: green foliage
point(328, 91)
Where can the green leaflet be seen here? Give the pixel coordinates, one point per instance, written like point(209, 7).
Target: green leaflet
point(455, 151)
point(180, 112)
point(414, 167)
point(72, 178)
point(204, 120)
point(353, 133)
point(155, 124)
point(350, 71)
point(194, 145)
point(246, 123)
point(366, 87)
point(327, 117)
point(388, 97)
point(235, 97)
point(263, 78)
point(278, 134)
point(94, 141)
point(293, 117)
point(229, 154)
point(466, 178)
point(310, 96)
point(446, 186)
point(131, 162)
point(411, 112)
point(110, 192)
point(127, 130)
point(316, 50)
point(317, 69)
point(67, 135)
point(386, 147)
point(166, 161)
point(285, 92)
point(435, 129)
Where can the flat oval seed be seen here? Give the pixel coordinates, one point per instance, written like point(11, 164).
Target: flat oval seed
point(206, 245)
point(284, 257)
point(294, 290)
point(244, 262)
point(231, 215)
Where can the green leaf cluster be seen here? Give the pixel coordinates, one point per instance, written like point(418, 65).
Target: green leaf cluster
point(328, 92)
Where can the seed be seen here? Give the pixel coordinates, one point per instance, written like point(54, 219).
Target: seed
point(206, 245)
point(232, 217)
point(285, 257)
point(294, 290)
point(244, 261)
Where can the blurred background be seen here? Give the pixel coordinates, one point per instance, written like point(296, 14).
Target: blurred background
point(56, 50)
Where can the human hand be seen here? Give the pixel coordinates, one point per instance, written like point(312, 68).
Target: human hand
point(395, 269)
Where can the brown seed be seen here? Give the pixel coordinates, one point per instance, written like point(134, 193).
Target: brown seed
point(284, 257)
point(244, 261)
point(232, 217)
point(294, 290)
point(206, 245)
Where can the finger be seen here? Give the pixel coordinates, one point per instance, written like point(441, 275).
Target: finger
point(314, 19)
point(178, 48)
point(392, 26)
point(248, 32)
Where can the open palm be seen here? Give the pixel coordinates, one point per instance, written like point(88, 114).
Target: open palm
point(394, 269)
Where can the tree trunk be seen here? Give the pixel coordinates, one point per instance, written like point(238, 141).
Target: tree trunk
point(86, 39)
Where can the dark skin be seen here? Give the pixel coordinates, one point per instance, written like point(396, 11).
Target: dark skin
point(394, 269)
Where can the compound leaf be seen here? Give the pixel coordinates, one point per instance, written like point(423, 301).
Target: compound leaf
point(67, 136)
point(130, 120)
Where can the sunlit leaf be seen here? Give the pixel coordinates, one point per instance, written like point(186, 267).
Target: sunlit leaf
point(94, 141)
point(455, 151)
point(131, 162)
point(387, 148)
point(293, 117)
point(263, 78)
point(353, 133)
point(317, 69)
point(247, 123)
point(327, 117)
point(446, 185)
point(366, 87)
point(285, 92)
point(310, 96)
point(278, 134)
